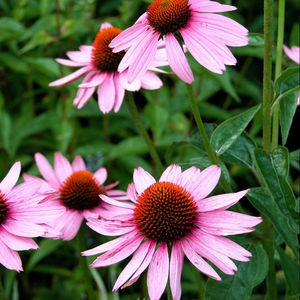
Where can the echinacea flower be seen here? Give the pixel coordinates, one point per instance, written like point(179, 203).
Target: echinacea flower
point(100, 65)
point(76, 190)
point(22, 217)
point(195, 22)
point(173, 215)
point(294, 54)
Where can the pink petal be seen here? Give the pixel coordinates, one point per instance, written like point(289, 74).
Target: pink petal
point(210, 6)
point(95, 81)
point(177, 59)
point(10, 258)
point(150, 81)
point(189, 176)
point(143, 266)
point(11, 178)
point(131, 192)
point(133, 86)
point(46, 170)
point(109, 228)
point(78, 164)
point(143, 59)
point(142, 180)
point(223, 245)
point(62, 167)
point(16, 242)
point(70, 63)
point(72, 77)
point(106, 94)
point(205, 182)
point(223, 201)
point(117, 203)
point(176, 264)
point(220, 260)
point(101, 175)
point(114, 244)
point(198, 261)
point(105, 25)
point(115, 255)
point(23, 228)
point(78, 56)
point(171, 174)
point(120, 93)
point(134, 264)
point(85, 97)
point(158, 272)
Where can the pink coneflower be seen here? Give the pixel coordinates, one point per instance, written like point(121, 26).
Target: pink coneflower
point(294, 54)
point(100, 65)
point(75, 188)
point(205, 34)
point(172, 215)
point(22, 217)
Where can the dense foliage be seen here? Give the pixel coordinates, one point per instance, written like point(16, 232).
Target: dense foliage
point(37, 118)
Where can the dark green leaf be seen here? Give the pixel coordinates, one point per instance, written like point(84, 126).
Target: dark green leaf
point(227, 132)
point(263, 201)
point(240, 286)
point(288, 79)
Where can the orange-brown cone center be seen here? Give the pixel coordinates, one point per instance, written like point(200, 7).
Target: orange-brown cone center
point(102, 56)
point(81, 191)
point(3, 208)
point(165, 212)
point(168, 16)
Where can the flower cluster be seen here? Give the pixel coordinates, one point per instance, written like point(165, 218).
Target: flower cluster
point(158, 222)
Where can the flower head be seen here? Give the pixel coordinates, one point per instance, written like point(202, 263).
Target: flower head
point(100, 66)
point(205, 34)
point(75, 189)
point(22, 217)
point(172, 216)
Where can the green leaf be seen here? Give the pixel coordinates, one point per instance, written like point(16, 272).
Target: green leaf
point(288, 79)
point(291, 271)
point(263, 201)
point(240, 285)
point(10, 29)
point(256, 39)
point(227, 132)
point(277, 185)
point(288, 106)
point(240, 152)
point(280, 158)
point(47, 247)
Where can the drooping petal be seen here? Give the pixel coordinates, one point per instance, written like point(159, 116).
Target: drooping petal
point(106, 94)
point(158, 272)
point(176, 264)
point(10, 258)
point(151, 81)
point(177, 60)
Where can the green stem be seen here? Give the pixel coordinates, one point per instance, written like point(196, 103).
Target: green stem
point(278, 66)
point(267, 78)
point(205, 138)
point(141, 128)
point(268, 243)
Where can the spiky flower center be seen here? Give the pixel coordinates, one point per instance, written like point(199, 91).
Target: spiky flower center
point(102, 56)
point(168, 16)
point(3, 208)
point(81, 191)
point(165, 212)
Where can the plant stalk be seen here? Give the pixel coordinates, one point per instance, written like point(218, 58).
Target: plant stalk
point(278, 67)
point(205, 138)
point(141, 128)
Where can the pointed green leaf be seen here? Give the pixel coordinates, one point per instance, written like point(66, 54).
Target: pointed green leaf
point(227, 132)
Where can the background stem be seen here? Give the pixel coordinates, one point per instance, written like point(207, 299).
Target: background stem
point(278, 66)
point(141, 128)
point(203, 134)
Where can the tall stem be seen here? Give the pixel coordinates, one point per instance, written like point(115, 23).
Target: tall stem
point(268, 230)
point(267, 78)
point(202, 131)
point(141, 128)
point(278, 66)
